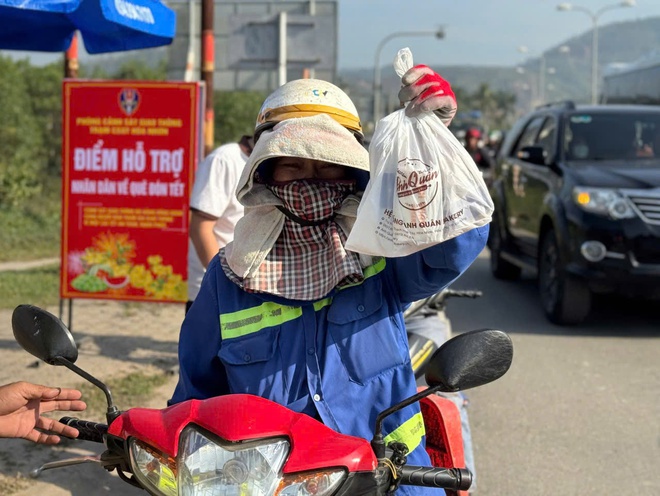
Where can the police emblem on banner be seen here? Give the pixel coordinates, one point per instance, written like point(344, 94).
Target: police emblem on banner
point(129, 100)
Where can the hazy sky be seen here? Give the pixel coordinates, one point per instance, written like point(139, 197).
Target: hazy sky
point(478, 32)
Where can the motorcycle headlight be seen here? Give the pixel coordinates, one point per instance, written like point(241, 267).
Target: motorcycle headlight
point(208, 467)
point(213, 467)
point(603, 202)
point(154, 469)
point(322, 483)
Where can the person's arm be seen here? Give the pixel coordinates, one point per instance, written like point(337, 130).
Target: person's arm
point(201, 373)
point(645, 151)
point(424, 273)
point(202, 236)
point(212, 192)
point(22, 405)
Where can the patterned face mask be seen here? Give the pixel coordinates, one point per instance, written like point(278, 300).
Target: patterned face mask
point(311, 202)
point(308, 259)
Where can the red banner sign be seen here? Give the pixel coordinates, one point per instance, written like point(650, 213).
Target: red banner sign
point(128, 155)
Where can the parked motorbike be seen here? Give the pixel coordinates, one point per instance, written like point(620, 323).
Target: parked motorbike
point(428, 327)
point(241, 444)
point(422, 346)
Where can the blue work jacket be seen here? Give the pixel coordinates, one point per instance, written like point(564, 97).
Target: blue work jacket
point(342, 359)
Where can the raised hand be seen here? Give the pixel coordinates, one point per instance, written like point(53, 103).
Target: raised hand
point(427, 91)
point(22, 405)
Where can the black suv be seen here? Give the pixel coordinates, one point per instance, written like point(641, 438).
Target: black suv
point(577, 200)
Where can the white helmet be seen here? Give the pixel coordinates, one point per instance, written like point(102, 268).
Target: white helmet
point(305, 98)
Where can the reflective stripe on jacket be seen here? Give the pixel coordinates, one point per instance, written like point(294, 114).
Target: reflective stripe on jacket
point(343, 358)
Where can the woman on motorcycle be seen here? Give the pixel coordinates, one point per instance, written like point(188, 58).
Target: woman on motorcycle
point(284, 311)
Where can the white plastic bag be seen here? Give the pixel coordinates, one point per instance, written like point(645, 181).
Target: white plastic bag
point(424, 187)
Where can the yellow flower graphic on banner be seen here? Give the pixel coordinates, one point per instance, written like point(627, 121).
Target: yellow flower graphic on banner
point(112, 246)
point(109, 266)
point(159, 280)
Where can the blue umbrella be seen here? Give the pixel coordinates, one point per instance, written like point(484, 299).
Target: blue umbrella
point(105, 25)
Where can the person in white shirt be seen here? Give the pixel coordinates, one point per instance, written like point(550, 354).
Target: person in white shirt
point(214, 208)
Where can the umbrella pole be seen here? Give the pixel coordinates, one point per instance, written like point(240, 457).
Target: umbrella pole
point(208, 62)
point(71, 58)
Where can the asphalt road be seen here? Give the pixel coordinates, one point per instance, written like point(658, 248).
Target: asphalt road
point(578, 413)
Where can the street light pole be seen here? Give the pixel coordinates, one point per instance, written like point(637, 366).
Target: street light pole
point(527, 86)
point(542, 65)
point(594, 36)
point(377, 84)
point(542, 79)
point(594, 60)
point(544, 70)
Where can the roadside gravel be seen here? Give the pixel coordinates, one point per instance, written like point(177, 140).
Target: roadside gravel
point(114, 339)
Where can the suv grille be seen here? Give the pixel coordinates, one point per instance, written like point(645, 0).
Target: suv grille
point(647, 250)
point(646, 203)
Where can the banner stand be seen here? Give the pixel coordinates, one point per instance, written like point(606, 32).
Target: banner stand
point(129, 154)
point(69, 313)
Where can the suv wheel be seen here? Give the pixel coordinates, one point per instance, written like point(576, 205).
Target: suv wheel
point(565, 299)
point(499, 267)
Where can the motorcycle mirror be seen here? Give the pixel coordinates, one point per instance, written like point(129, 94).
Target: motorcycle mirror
point(43, 335)
point(469, 360)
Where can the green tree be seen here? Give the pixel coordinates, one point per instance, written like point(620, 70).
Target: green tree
point(44, 86)
point(134, 69)
point(20, 137)
point(497, 107)
point(95, 72)
point(235, 114)
point(138, 70)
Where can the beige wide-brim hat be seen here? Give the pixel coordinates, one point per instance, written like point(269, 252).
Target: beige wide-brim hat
point(317, 137)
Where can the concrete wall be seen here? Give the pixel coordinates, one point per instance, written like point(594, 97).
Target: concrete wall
point(247, 42)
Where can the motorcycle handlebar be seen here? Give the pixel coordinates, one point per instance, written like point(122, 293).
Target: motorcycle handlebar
point(87, 431)
point(457, 479)
point(463, 293)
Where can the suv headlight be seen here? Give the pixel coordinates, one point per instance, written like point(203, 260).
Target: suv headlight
point(603, 201)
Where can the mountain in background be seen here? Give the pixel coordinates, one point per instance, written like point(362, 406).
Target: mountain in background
point(567, 76)
point(568, 71)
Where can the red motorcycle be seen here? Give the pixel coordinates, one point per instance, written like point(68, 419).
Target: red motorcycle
point(245, 445)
